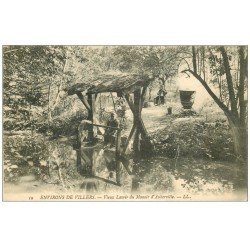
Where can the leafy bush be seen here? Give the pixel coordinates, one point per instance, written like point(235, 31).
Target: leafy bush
point(196, 138)
point(23, 154)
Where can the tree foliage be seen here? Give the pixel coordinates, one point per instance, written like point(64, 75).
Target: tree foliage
point(35, 75)
point(225, 67)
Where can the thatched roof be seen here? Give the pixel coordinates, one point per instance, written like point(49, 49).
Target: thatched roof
point(110, 83)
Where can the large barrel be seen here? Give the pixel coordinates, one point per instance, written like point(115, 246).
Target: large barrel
point(187, 98)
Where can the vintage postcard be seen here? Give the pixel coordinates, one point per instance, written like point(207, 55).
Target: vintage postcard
point(125, 123)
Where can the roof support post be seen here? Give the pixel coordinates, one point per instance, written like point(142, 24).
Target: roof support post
point(138, 130)
point(92, 131)
point(83, 99)
point(137, 115)
point(78, 160)
point(117, 155)
point(129, 139)
point(144, 132)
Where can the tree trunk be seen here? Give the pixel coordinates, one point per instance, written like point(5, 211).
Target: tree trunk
point(194, 59)
point(239, 135)
point(236, 122)
point(241, 88)
point(229, 81)
point(203, 64)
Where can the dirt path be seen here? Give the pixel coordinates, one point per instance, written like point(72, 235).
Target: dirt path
point(154, 118)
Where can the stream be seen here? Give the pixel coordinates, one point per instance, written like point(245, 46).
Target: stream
point(54, 166)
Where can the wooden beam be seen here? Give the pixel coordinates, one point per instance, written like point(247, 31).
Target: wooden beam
point(117, 156)
point(136, 145)
point(128, 140)
point(125, 163)
point(143, 129)
point(83, 100)
point(113, 101)
point(138, 125)
point(130, 102)
point(137, 104)
point(106, 180)
point(118, 143)
point(104, 126)
point(137, 115)
point(143, 95)
point(78, 159)
point(85, 158)
point(92, 116)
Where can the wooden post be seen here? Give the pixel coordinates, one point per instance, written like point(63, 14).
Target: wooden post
point(84, 100)
point(138, 128)
point(130, 102)
point(91, 116)
point(117, 156)
point(92, 157)
point(143, 130)
point(128, 140)
point(78, 160)
point(137, 115)
point(143, 95)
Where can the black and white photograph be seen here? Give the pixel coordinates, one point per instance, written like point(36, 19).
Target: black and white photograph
point(125, 123)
